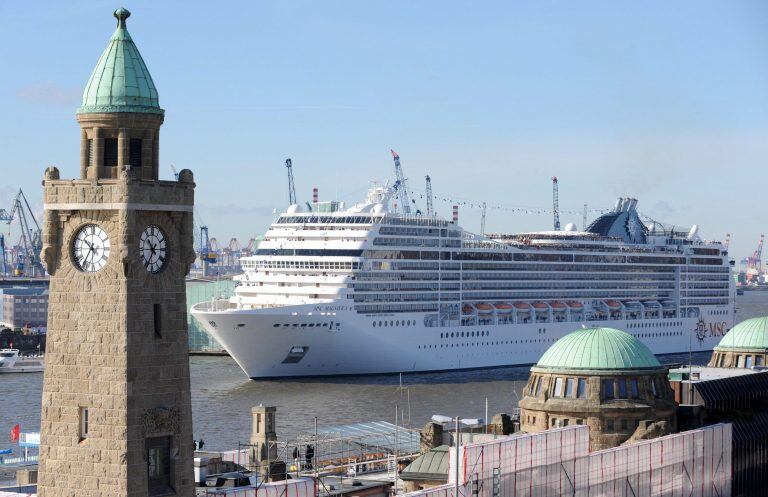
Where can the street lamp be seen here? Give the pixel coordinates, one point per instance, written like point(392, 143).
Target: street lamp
point(438, 418)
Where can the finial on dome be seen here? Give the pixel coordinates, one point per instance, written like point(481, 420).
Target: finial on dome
point(122, 14)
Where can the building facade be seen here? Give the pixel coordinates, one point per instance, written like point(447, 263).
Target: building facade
point(116, 410)
point(24, 307)
point(600, 377)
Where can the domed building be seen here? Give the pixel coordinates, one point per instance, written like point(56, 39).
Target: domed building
point(745, 346)
point(604, 378)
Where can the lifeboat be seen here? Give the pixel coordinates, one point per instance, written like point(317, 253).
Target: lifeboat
point(557, 306)
point(484, 308)
point(522, 306)
point(467, 309)
point(667, 304)
point(540, 306)
point(613, 304)
point(575, 305)
point(503, 307)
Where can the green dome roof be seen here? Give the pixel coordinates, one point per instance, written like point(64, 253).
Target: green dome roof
point(121, 81)
point(749, 334)
point(598, 349)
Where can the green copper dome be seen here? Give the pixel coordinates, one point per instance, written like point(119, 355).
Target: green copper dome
point(751, 334)
point(121, 81)
point(603, 349)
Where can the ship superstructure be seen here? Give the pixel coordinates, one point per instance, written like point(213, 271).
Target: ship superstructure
point(365, 290)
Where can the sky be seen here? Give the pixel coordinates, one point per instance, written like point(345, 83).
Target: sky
point(663, 101)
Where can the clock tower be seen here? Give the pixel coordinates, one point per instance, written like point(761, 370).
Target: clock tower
point(118, 243)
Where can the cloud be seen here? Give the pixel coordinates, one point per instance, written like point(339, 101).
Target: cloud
point(50, 93)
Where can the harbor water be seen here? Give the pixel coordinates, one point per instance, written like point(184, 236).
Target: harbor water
point(222, 396)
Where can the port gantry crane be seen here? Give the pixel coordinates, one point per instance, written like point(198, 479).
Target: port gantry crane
point(401, 187)
point(555, 202)
point(31, 241)
point(755, 262)
point(430, 208)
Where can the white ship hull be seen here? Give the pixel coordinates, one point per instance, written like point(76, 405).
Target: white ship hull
point(343, 342)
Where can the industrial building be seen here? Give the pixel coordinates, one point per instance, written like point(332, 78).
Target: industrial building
point(24, 307)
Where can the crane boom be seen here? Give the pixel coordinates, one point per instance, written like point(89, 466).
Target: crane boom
point(291, 188)
point(430, 208)
point(402, 190)
point(555, 202)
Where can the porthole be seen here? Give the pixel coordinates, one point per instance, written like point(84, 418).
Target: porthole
point(374, 324)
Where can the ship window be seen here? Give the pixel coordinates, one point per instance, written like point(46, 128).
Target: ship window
point(276, 325)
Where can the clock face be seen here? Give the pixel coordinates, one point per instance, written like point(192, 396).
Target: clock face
point(152, 247)
point(90, 248)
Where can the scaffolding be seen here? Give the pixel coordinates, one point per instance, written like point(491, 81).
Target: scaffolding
point(557, 462)
point(347, 450)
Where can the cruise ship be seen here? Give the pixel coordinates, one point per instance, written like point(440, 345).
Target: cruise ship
point(337, 290)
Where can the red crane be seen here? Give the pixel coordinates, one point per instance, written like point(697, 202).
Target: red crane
point(755, 262)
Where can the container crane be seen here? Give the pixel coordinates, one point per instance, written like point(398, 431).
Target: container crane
point(291, 188)
point(206, 254)
point(755, 262)
point(402, 188)
point(430, 208)
point(31, 241)
point(555, 202)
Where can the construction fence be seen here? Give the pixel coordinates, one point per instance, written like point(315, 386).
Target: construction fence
point(557, 463)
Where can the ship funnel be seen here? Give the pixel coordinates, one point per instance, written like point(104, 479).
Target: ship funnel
point(455, 213)
point(694, 232)
point(619, 203)
point(632, 204)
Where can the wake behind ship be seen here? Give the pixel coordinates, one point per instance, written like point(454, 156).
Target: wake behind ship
point(366, 290)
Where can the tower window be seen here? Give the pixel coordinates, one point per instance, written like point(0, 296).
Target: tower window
point(157, 320)
point(110, 152)
point(89, 152)
point(84, 422)
point(134, 152)
point(159, 465)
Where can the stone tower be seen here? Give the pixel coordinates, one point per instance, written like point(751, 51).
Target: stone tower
point(117, 242)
